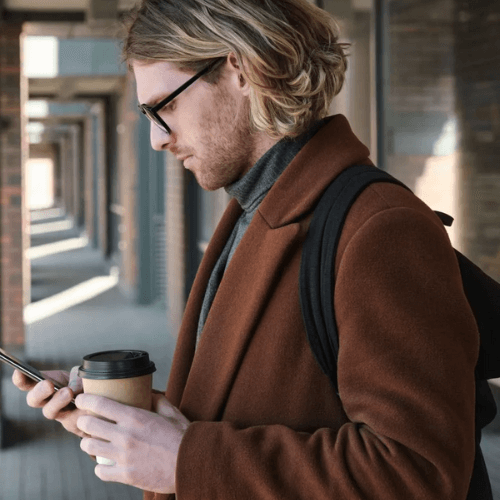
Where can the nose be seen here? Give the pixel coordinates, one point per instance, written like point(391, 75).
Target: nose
point(159, 138)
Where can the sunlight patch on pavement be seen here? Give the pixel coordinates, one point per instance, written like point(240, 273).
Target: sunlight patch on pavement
point(51, 227)
point(57, 247)
point(48, 213)
point(73, 296)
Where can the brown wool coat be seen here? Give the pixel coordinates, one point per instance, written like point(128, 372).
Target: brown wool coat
point(267, 424)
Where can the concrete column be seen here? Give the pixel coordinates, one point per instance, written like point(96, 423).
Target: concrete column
point(127, 149)
point(14, 219)
point(80, 158)
point(89, 177)
point(58, 197)
point(75, 171)
point(360, 76)
point(100, 185)
point(65, 175)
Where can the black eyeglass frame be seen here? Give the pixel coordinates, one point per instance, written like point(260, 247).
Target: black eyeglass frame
point(152, 111)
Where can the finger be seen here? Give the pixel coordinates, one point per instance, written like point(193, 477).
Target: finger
point(96, 447)
point(104, 407)
point(75, 382)
point(55, 406)
point(111, 474)
point(167, 410)
point(96, 427)
point(38, 396)
point(21, 381)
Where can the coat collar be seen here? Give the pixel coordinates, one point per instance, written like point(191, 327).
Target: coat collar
point(332, 149)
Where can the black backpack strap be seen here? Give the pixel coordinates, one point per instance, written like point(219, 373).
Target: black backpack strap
point(316, 277)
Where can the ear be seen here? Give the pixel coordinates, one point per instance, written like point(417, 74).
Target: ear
point(235, 68)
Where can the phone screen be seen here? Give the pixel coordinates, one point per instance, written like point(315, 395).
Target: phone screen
point(28, 370)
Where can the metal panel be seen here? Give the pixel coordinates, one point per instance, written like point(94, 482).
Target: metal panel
point(384, 141)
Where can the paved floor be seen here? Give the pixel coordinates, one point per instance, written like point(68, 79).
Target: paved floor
point(43, 461)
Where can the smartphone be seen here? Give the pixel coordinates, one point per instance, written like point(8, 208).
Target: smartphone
point(28, 370)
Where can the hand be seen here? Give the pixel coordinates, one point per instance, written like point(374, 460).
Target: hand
point(143, 444)
point(55, 406)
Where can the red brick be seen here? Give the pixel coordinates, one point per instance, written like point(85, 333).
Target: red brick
point(11, 69)
point(16, 279)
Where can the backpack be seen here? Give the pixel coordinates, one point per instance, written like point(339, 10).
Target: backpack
point(316, 289)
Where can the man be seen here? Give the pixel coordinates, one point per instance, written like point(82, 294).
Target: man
point(248, 413)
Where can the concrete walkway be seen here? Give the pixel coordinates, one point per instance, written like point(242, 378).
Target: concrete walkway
point(44, 461)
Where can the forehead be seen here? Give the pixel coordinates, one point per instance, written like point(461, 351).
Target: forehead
point(156, 80)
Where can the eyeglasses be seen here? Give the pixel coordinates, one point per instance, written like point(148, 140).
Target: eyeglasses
point(152, 111)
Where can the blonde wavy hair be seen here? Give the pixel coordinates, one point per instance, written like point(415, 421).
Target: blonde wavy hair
point(287, 50)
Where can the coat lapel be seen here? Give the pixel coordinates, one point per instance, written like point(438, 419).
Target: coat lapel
point(186, 342)
point(235, 312)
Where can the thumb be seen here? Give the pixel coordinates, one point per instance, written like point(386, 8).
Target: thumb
point(161, 405)
point(75, 382)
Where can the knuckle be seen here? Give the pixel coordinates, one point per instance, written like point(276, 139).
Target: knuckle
point(126, 442)
point(64, 395)
point(66, 423)
point(53, 408)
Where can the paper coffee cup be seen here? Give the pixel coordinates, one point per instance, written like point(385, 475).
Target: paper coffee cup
point(125, 376)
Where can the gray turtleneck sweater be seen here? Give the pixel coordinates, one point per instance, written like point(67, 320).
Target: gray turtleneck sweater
point(249, 192)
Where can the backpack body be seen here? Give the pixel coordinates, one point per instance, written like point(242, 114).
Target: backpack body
point(316, 289)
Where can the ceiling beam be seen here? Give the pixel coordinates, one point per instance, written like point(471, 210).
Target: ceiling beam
point(21, 16)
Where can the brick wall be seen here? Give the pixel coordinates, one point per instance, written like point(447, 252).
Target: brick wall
point(444, 70)
point(477, 69)
point(14, 237)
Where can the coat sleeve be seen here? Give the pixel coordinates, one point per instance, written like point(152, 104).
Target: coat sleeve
point(408, 347)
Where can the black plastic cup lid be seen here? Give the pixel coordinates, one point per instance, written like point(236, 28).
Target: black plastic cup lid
point(106, 365)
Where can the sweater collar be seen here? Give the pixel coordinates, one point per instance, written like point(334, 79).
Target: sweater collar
point(330, 151)
point(254, 185)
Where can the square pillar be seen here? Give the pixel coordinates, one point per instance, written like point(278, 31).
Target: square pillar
point(14, 218)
